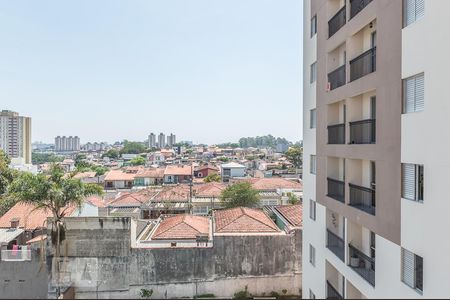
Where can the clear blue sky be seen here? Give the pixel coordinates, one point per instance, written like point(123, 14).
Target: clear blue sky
point(207, 70)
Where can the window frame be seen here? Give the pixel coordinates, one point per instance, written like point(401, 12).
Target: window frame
point(416, 279)
point(419, 182)
point(313, 25)
point(313, 164)
point(404, 93)
point(313, 118)
point(416, 16)
point(312, 255)
point(313, 72)
point(312, 209)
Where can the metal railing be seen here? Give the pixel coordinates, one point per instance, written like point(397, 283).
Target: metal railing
point(332, 293)
point(336, 134)
point(363, 132)
point(337, 21)
point(362, 198)
point(336, 189)
point(336, 244)
point(364, 64)
point(337, 78)
point(356, 6)
point(362, 264)
point(16, 255)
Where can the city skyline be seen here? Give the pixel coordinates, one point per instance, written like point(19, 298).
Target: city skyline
point(132, 68)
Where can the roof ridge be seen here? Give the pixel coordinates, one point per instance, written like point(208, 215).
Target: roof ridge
point(259, 220)
point(190, 224)
point(164, 231)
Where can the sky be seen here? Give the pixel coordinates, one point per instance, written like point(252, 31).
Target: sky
point(210, 71)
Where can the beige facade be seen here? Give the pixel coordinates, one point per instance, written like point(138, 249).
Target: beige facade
point(15, 135)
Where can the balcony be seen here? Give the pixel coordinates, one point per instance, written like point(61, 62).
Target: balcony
point(362, 264)
point(364, 64)
point(362, 198)
point(336, 134)
point(337, 21)
point(16, 255)
point(363, 132)
point(336, 189)
point(335, 244)
point(356, 6)
point(337, 77)
point(332, 293)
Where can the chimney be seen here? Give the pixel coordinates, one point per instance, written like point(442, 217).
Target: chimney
point(14, 223)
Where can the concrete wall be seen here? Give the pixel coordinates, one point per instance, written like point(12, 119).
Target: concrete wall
point(23, 279)
point(97, 252)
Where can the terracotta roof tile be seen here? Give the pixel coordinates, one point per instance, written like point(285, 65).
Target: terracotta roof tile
point(133, 199)
point(292, 213)
point(274, 183)
point(119, 175)
point(178, 170)
point(243, 220)
point(172, 194)
point(213, 189)
point(151, 173)
point(181, 227)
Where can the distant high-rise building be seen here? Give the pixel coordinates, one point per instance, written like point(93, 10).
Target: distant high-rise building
point(161, 140)
point(63, 143)
point(171, 140)
point(152, 141)
point(15, 135)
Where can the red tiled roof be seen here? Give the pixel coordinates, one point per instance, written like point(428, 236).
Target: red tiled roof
point(29, 217)
point(119, 175)
point(274, 183)
point(243, 220)
point(151, 173)
point(96, 201)
point(173, 193)
point(181, 227)
point(213, 189)
point(133, 199)
point(178, 170)
point(292, 213)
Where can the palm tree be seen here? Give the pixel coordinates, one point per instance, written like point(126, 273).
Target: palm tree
point(54, 193)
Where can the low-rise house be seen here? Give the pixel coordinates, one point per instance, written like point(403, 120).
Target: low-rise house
point(206, 197)
point(156, 158)
point(232, 170)
point(204, 171)
point(178, 174)
point(288, 217)
point(167, 201)
point(90, 177)
point(177, 231)
point(129, 204)
point(148, 177)
point(118, 179)
point(68, 165)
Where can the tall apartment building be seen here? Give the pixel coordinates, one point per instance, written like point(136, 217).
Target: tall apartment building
point(152, 140)
point(70, 143)
point(375, 149)
point(161, 140)
point(15, 135)
point(171, 140)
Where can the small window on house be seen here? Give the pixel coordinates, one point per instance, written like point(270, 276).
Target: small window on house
point(313, 73)
point(311, 295)
point(312, 255)
point(313, 164)
point(313, 118)
point(173, 244)
point(412, 182)
point(412, 270)
point(312, 209)
point(313, 25)
point(412, 11)
point(414, 93)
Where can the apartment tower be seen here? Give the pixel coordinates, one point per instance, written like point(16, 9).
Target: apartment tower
point(375, 149)
point(15, 135)
point(152, 141)
point(161, 140)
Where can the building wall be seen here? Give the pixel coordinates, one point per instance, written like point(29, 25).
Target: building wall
point(264, 263)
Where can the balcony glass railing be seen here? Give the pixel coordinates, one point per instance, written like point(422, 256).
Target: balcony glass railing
point(336, 244)
point(362, 264)
point(332, 293)
point(364, 64)
point(363, 132)
point(356, 6)
point(336, 134)
point(362, 198)
point(336, 189)
point(337, 21)
point(337, 77)
point(16, 255)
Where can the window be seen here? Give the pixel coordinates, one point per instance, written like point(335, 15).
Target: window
point(412, 11)
point(312, 209)
point(313, 164)
point(313, 25)
point(412, 182)
point(173, 244)
point(312, 255)
point(313, 73)
point(313, 118)
point(311, 295)
point(412, 270)
point(414, 93)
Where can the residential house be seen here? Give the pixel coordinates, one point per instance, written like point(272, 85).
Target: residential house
point(168, 200)
point(178, 174)
point(232, 170)
point(288, 217)
point(129, 204)
point(205, 170)
point(206, 197)
point(119, 179)
point(148, 177)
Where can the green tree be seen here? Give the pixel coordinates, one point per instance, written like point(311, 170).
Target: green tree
point(146, 294)
point(292, 199)
point(213, 178)
point(137, 161)
point(223, 159)
point(111, 153)
point(7, 175)
point(240, 194)
point(42, 158)
point(56, 194)
point(133, 148)
point(294, 155)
